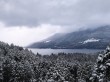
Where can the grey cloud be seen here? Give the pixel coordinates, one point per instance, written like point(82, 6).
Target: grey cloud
point(59, 12)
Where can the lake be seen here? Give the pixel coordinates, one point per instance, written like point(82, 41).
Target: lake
point(56, 51)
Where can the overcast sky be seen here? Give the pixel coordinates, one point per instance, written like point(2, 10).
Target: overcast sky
point(26, 21)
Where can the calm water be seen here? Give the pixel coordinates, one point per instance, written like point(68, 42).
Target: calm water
point(56, 51)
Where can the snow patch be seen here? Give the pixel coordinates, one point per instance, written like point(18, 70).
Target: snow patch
point(108, 64)
point(91, 40)
point(47, 41)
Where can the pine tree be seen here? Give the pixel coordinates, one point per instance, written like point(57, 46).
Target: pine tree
point(1, 70)
point(101, 72)
point(1, 66)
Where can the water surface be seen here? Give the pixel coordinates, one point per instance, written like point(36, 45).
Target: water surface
point(56, 51)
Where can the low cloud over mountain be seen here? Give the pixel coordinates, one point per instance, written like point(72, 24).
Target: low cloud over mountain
point(88, 39)
point(61, 15)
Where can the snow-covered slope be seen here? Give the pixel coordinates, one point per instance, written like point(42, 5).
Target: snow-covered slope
point(91, 40)
point(95, 39)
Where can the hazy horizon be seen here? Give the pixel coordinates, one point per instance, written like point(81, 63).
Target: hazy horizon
point(23, 22)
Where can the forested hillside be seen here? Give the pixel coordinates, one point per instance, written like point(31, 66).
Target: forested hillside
point(21, 65)
point(97, 38)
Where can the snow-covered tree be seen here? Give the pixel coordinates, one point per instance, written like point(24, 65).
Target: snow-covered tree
point(21, 65)
point(1, 68)
point(101, 72)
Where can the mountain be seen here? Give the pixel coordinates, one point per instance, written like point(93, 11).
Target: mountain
point(97, 38)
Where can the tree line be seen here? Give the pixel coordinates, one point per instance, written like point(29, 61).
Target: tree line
point(21, 65)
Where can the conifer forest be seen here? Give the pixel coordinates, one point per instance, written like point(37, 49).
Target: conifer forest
point(21, 65)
